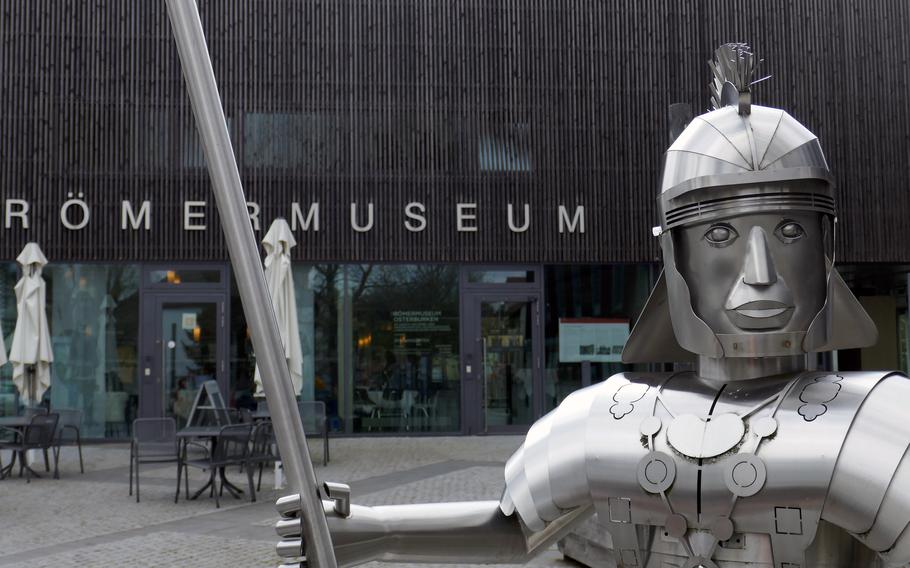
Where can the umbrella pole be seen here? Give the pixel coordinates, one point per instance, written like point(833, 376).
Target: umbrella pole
point(229, 198)
point(32, 391)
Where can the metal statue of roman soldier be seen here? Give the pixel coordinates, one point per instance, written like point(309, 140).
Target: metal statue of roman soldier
point(753, 459)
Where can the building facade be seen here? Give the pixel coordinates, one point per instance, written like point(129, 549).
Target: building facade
point(471, 185)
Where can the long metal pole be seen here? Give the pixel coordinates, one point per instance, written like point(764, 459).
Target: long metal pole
point(238, 232)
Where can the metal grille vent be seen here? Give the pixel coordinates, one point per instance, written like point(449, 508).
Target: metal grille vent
point(725, 206)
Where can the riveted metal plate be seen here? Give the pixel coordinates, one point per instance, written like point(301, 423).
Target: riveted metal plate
point(788, 520)
point(620, 510)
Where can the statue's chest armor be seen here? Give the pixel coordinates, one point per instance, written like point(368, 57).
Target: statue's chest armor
point(754, 457)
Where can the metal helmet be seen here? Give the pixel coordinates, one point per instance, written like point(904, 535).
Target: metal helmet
point(757, 168)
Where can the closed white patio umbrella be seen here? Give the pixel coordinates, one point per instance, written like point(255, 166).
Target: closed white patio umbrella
point(278, 242)
point(31, 353)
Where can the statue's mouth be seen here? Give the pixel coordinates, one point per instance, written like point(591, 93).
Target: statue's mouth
point(760, 314)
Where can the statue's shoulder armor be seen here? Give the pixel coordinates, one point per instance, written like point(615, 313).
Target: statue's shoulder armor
point(838, 452)
point(867, 495)
point(547, 476)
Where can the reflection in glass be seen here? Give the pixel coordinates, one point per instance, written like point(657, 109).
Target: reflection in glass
point(9, 395)
point(319, 290)
point(291, 140)
point(405, 347)
point(501, 276)
point(93, 314)
point(508, 363)
point(184, 276)
point(598, 291)
point(509, 153)
point(319, 293)
point(379, 343)
point(189, 344)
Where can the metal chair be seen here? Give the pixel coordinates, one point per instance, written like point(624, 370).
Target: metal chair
point(69, 420)
point(428, 411)
point(154, 441)
point(239, 416)
point(315, 421)
point(231, 448)
point(30, 411)
point(38, 434)
point(262, 449)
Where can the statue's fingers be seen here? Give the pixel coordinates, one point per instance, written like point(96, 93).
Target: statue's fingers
point(290, 548)
point(289, 506)
point(289, 528)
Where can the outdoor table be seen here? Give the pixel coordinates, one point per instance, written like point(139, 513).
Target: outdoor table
point(15, 421)
point(19, 423)
point(260, 415)
point(212, 433)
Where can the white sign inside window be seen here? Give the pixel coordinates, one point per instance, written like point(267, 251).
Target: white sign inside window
point(598, 340)
point(189, 321)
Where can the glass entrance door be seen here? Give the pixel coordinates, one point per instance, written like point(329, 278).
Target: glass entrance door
point(506, 329)
point(503, 368)
point(189, 353)
point(184, 347)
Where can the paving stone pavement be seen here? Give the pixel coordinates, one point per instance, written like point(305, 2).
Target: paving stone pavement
point(89, 520)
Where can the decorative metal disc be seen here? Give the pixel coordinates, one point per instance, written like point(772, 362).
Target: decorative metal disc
point(722, 528)
point(676, 525)
point(656, 472)
point(650, 426)
point(764, 427)
point(745, 474)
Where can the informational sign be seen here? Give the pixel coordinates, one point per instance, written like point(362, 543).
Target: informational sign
point(419, 321)
point(188, 321)
point(598, 340)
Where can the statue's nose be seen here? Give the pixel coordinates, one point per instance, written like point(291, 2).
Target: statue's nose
point(759, 267)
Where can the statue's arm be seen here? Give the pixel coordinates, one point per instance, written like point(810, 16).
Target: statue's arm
point(546, 495)
point(869, 495)
point(470, 532)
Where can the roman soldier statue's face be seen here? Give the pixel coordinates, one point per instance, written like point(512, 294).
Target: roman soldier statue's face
point(759, 272)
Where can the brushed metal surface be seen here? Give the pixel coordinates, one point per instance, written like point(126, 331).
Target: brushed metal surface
point(238, 232)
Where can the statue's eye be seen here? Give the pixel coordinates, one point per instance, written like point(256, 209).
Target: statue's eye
point(720, 235)
point(789, 231)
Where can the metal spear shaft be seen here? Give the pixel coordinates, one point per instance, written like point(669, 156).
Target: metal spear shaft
point(238, 232)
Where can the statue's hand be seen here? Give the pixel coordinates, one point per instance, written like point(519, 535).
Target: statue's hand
point(357, 532)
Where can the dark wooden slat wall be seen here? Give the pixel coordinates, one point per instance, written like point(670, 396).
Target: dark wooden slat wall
point(544, 102)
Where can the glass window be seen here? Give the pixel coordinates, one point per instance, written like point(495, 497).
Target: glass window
point(617, 292)
point(189, 331)
point(506, 151)
point(405, 348)
point(185, 276)
point(9, 395)
point(241, 359)
point(507, 329)
point(291, 140)
point(501, 277)
point(379, 343)
point(319, 295)
point(93, 315)
point(320, 317)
